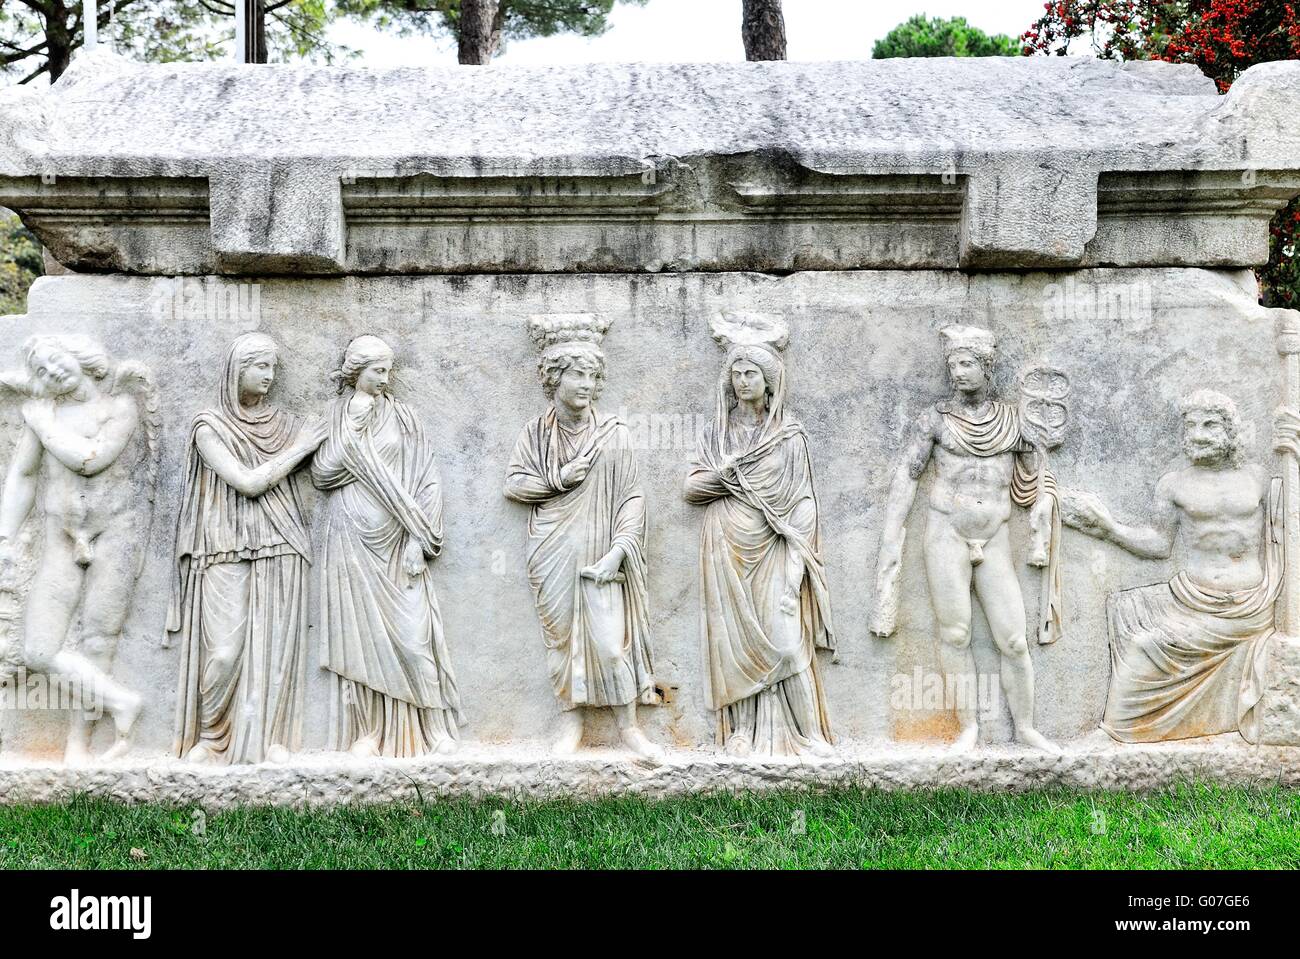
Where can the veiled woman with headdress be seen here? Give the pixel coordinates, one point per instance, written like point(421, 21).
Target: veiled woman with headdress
point(765, 604)
point(239, 600)
point(380, 623)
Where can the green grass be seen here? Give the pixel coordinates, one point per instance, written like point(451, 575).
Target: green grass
point(1193, 826)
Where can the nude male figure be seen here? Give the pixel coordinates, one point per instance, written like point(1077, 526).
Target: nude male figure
point(77, 428)
point(974, 441)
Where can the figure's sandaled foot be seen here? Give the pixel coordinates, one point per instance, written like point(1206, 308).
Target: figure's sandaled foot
point(365, 748)
point(737, 745)
point(1035, 739)
point(446, 747)
point(277, 754)
point(1097, 739)
point(201, 755)
point(966, 741)
point(641, 747)
point(820, 748)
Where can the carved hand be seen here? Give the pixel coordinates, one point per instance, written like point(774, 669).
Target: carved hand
point(413, 563)
point(314, 434)
point(607, 570)
point(1286, 431)
point(790, 603)
point(1085, 512)
point(575, 471)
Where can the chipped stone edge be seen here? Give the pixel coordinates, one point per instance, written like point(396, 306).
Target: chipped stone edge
point(324, 780)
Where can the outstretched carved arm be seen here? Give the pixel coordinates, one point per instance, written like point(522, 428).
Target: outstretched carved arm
point(253, 482)
point(1086, 513)
point(20, 486)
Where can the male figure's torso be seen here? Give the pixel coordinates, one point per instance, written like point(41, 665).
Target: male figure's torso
point(1220, 523)
point(973, 493)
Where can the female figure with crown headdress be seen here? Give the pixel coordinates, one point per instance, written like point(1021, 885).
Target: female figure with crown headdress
point(586, 536)
point(764, 597)
point(380, 621)
point(239, 599)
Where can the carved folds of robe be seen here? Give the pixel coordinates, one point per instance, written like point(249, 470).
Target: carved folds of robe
point(1188, 660)
point(760, 542)
point(239, 600)
point(596, 636)
point(381, 629)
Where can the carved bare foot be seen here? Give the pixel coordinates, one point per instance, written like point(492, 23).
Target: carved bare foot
point(124, 717)
point(1032, 737)
point(76, 753)
point(568, 740)
point(967, 740)
point(446, 747)
point(643, 748)
point(277, 754)
point(365, 748)
point(737, 745)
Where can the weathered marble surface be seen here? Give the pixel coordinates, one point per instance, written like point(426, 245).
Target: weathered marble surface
point(861, 364)
point(1096, 219)
point(520, 772)
point(988, 163)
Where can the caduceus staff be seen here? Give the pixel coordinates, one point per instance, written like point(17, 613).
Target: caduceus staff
point(1044, 413)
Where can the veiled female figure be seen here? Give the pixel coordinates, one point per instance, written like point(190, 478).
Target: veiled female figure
point(239, 600)
point(380, 623)
point(765, 605)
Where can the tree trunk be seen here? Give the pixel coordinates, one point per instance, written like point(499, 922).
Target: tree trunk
point(255, 51)
point(762, 27)
point(58, 40)
point(479, 32)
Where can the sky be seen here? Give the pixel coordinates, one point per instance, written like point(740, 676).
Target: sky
point(705, 30)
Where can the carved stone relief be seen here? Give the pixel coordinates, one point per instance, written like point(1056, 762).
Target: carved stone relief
point(764, 594)
point(89, 452)
point(243, 551)
point(988, 456)
point(1188, 656)
point(576, 469)
point(380, 620)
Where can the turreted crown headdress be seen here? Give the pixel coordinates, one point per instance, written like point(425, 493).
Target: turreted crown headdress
point(739, 328)
point(554, 333)
point(978, 341)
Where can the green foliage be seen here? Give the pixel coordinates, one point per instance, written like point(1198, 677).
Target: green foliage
point(519, 19)
point(1189, 827)
point(919, 37)
point(20, 263)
